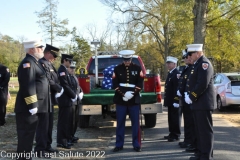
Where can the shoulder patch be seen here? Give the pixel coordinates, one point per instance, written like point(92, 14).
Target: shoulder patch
point(205, 66)
point(7, 70)
point(26, 65)
point(62, 74)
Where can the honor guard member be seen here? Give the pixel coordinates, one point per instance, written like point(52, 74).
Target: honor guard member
point(33, 98)
point(76, 104)
point(65, 103)
point(50, 54)
point(127, 82)
point(187, 113)
point(171, 100)
point(4, 80)
point(200, 95)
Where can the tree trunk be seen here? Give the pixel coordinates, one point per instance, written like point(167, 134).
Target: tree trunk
point(200, 13)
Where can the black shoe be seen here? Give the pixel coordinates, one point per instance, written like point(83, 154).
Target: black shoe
point(64, 146)
point(75, 138)
point(51, 150)
point(171, 139)
point(116, 149)
point(42, 154)
point(191, 149)
point(2, 124)
point(166, 137)
point(70, 142)
point(194, 158)
point(137, 149)
point(184, 145)
point(181, 143)
point(74, 141)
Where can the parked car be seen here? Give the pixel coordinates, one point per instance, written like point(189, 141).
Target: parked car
point(227, 87)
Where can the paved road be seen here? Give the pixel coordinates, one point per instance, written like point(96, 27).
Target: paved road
point(97, 142)
point(226, 144)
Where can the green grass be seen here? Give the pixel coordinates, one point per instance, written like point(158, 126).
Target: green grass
point(13, 89)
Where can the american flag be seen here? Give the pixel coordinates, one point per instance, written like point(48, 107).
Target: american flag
point(26, 65)
point(107, 80)
point(62, 74)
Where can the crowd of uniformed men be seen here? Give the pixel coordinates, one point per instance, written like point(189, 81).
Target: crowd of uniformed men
point(189, 92)
point(41, 87)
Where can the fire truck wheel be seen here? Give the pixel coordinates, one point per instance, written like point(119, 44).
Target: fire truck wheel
point(84, 121)
point(150, 120)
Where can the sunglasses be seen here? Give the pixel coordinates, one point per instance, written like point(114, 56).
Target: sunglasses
point(190, 53)
point(127, 60)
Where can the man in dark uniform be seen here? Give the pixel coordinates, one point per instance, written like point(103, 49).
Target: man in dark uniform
point(65, 103)
point(33, 97)
point(127, 82)
point(200, 94)
point(76, 104)
point(186, 110)
point(171, 100)
point(50, 54)
point(4, 79)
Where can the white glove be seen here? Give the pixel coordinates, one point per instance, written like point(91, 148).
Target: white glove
point(59, 94)
point(175, 105)
point(187, 99)
point(33, 111)
point(179, 94)
point(128, 95)
point(125, 99)
point(80, 95)
point(73, 100)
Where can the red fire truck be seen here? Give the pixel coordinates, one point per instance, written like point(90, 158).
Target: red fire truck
point(98, 101)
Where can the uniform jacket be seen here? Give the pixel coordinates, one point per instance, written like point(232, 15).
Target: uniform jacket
point(183, 81)
point(52, 78)
point(171, 86)
point(4, 76)
point(34, 89)
point(77, 88)
point(127, 74)
point(65, 81)
point(200, 85)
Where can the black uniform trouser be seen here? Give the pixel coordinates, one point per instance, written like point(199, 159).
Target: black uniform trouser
point(3, 103)
point(204, 133)
point(75, 118)
point(50, 128)
point(174, 121)
point(188, 123)
point(26, 128)
point(64, 129)
point(41, 132)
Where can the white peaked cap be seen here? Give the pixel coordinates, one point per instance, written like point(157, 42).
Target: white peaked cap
point(126, 53)
point(33, 44)
point(194, 47)
point(184, 53)
point(171, 59)
point(73, 64)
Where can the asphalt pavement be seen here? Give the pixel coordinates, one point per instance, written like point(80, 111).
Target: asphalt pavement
point(154, 146)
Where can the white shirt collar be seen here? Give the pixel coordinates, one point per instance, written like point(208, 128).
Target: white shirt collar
point(172, 70)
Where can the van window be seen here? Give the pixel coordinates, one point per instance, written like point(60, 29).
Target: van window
point(105, 62)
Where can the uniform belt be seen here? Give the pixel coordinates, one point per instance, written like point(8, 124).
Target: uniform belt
point(127, 85)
